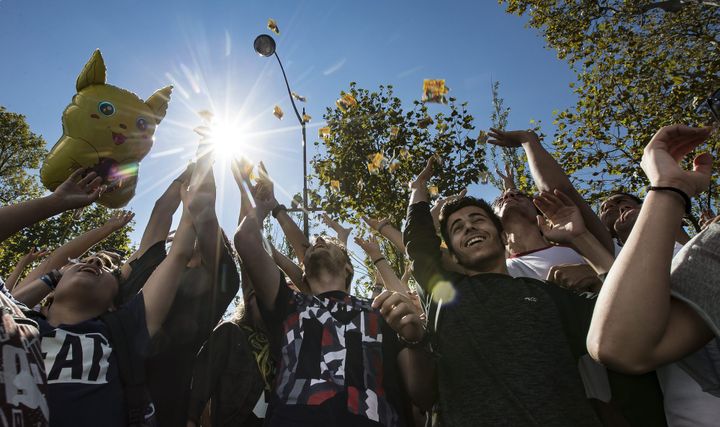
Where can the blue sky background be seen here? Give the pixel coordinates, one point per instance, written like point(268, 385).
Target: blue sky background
point(205, 49)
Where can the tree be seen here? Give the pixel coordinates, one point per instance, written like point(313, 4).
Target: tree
point(640, 65)
point(21, 151)
point(372, 148)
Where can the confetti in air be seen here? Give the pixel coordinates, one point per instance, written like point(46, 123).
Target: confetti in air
point(434, 91)
point(272, 26)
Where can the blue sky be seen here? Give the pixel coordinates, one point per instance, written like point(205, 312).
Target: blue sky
point(205, 48)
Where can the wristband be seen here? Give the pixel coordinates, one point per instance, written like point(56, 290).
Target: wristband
point(378, 260)
point(686, 198)
point(421, 343)
point(277, 209)
point(51, 279)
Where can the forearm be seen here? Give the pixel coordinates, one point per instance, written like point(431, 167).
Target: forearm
point(640, 277)
point(423, 246)
point(389, 278)
point(393, 235)
point(13, 278)
point(160, 221)
point(291, 270)
point(293, 234)
point(419, 375)
point(31, 293)
point(260, 266)
point(72, 249)
point(594, 252)
point(549, 176)
point(14, 218)
point(209, 235)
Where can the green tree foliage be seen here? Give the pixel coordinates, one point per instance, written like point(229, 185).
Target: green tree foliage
point(640, 65)
point(20, 152)
point(376, 147)
point(355, 181)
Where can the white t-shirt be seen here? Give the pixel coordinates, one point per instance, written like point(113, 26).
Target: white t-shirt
point(537, 263)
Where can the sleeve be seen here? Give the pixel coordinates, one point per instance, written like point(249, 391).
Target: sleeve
point(282, 306)
point(209, 366)
point(423, 246)
point(132, 317)
point(226, 284)
point(142, 269)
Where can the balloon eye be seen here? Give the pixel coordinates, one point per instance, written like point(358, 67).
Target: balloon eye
point(106, 108)
point(141, 123)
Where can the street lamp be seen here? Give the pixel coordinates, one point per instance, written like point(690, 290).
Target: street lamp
point(265, 46)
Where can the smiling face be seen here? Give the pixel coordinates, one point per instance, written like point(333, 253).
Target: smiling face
point(618, 213)
point(90, 282)
point(474, 239)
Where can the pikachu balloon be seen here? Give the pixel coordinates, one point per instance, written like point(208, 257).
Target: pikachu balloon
point(105, 129)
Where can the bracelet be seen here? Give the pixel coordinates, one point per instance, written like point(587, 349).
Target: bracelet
point(421, 343)
point(277, 209)
point(381, 227)
point(686, 198)
point(51, 279)
point(378, 260)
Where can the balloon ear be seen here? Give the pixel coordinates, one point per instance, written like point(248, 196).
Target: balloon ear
point(93, 73)
point(158, 102)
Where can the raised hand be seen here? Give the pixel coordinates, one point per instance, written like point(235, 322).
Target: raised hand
point(435, 210)
point(422, 179)
point(342, 233)
point(119, 219)
point(374, 223)
point(578, 277)
point(511, 139)
point(662, 156)
point(401, 315)
point(79, 191)
point(563, 221)
point(264, 193)
point(708, 217)
point(35, 254)
point(508, 178)
point(241, 168)
point(370, 246)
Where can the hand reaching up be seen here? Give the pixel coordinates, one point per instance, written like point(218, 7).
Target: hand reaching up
point(563, 221)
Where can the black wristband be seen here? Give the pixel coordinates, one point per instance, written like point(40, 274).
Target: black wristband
point(686, 198)
point(51, 279)
point(277, 209)
point(378, 260)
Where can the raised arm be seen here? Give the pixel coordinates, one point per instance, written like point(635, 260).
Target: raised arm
point(636, 325)
point(160, 289)
point(549, 176)
point(421, 241)
point(342, 233)
point(79, 245)
point(389, 278)
point(291, 270)
point(565, 224)
point(22, 263)
point(260, 266)
point(385, 229)
point(76, 192)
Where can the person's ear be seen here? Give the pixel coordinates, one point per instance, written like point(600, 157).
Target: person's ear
point(504, 238)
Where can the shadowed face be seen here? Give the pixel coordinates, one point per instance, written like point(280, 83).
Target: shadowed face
point(91, 281)
point(514, 202)
point(327, 256)
point(618, 213)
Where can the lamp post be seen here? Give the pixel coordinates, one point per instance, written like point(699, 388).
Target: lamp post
point(265, 46)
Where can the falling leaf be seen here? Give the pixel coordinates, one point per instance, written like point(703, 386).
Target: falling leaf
point(394, 165)
point(425, 122)
point(378, 159)
point(298, 97)
point(324, 132)
point(278, 112)
point(335, 184)
point(272, 26)
point(394, 131)
point(372, 168)
point(203, 131)
point(206, 115)
point(346, 102)
point(306, 118)
point(433, 190)
point(482, 137)
point(434, 91)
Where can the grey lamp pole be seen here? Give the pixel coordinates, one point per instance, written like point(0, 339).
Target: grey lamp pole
point(265, 46)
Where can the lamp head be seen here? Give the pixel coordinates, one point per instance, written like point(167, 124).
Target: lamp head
point(264, 45)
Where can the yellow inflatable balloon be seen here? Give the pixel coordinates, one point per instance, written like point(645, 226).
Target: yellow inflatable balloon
point(105, 129)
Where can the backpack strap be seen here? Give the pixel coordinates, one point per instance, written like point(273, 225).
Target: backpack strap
point(132, 371)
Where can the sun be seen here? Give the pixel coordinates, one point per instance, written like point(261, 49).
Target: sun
point(228, 139)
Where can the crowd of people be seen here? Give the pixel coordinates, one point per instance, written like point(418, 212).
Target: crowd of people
point(528, 310)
